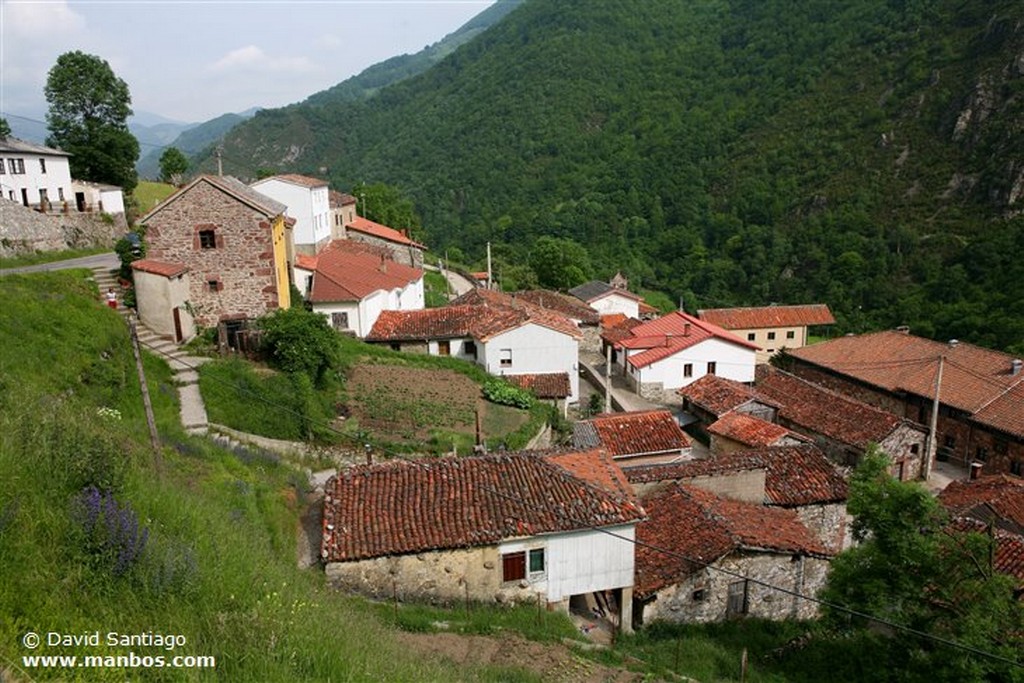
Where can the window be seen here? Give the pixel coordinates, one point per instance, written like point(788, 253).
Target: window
point(42, 165)
point(339, 321)
point(395, 346)
point(712, 367)
point(949, 441)
point(1017, 467)
point(469, 348)
point(914, 448)
point(688, 370)
point(2, 171)
point(207, 239)
point(505, 358)
point(737, 600)
point(213, 285)
point(981, 454)
point(523, 564)
point(771, 336)
point(750, 336)
point(16, 166)
point(699, 595)
point(790, 334)
point(444, 348)
point(60, 193)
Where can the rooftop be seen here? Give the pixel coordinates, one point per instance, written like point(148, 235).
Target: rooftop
point(800, 475)
point(13, 144)
point(748, 430)
point(595, 289)
point(402, 507)
point(368, 227)
point(164, 268)
point(997, 497)
point(568, 306)
point(294, 179)
point(636, 433)
point(670, 334)
point(231, 186)
point(348, 271)
point(543, 385)
point(719, 395)
point(768, 316)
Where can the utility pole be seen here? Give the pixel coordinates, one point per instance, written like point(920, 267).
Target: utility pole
point(489, 286)
point(445, 272)
point(929, 456)
point(608, 379)
point(154, 438)
point(220, 163)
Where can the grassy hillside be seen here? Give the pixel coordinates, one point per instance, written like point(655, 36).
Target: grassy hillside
point(865, 154)
point(93, 537)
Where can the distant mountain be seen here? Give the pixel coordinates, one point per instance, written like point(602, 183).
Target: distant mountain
point(191, 141)
point(866, 154)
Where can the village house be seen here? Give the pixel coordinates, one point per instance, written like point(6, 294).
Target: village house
point(504, 336)
point(711, 397)
point(770, 327)
point(581, 315)
point(736, 431)
point(35, 176)
point(660, 356)
point(981, 393)
point(842, 426)
point(218, 255)
point(306, 201)
point(704, 558)
point(634, 438)
point(497, 530)
point(604, 298)
point(403, 249)
point(351, 284)
point(343, 212)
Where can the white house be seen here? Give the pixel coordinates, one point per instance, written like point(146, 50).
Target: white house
point(662, 355)
point(497, 530)
point(352, 284)
point(308, 204)
point(506, 337)
point(97, 197)
point(34, 175)
point(606, 299)
point(162, 298)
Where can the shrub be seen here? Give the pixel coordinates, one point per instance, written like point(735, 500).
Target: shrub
point(501, 392)
point(297, 340)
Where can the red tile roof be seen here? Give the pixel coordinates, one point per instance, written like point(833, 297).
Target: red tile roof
point(346, 271)
point(569, 306)
point(543, 385)
point(748, 430)
point(719, 395)
point(597, 467)
point(401, 507)
point(670, 334)
point(339, 199)
point(1002, 495)
point(1008, 557)
point(542, 316)
point(697, 528)
point(768, 316)
point(306, 262)
point(690, 469)
point(800, 475)
point(639, 433)
point(975, 380)
point(296, 179)
point(163, 268)
point(368, 227)
point(813, 408)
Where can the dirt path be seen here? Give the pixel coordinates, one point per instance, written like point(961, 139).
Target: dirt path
point(552, 662)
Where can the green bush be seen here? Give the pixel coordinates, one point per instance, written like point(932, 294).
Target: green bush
point(501, 392)
point(297, 340)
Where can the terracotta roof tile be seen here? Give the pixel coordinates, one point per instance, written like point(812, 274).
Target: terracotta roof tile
point(543, 385)
point(597, 467)
point(973, 378)
point(368, 227)
point(306, 262)
point(159, 267)
point(1008, 557)
point(400, 507)
point(748, 430)
point(698, 528)
point(639, 433)
point(448, 322)
point(768, 316)
point(568, 306)
point(346, 271)
point(1002, 495)
point(719, 395)
point(800, 475)
point(690, 469)
point(815, 409)
point(670, 334)
point(489, 298)
point(336, 199)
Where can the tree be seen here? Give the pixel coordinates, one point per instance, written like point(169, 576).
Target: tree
point(913, 568)
point(385, 204)
point(89, 110)
point(173, 165)
point(297, 340)
point(560, 263)
point(5, 128)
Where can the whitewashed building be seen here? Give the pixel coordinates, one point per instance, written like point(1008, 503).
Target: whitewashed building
point(607, 299)
point(35, 176)
point(308, 204)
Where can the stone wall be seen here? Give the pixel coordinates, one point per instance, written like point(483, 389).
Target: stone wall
point(828, 522)
point(400, 253)
point(703, 597)
point(439, 577)
point(24, 231)
point(591, 342)
point(242, 264)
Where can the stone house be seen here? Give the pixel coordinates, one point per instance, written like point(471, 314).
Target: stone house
point(841, 426)
point(660, 356)
point(736, 431)
point(711, 397)
point(231, 245)
point(705, 558)
point(403, 249)
point(634, 438)
point(352, 283)
point(306, 203)
point(981, 393)
point(343, 212)
point(491, 528)
point(773, 328)
point(505, 336)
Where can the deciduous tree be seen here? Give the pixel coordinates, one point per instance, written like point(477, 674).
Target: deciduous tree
point(173, 165)
point(89, 110)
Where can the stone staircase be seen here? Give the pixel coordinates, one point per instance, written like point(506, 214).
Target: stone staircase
point(184, 366)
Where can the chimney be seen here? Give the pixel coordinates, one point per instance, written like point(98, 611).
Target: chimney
point(904, 329)
point(383, 264)
point(686, 329)
point(1015, 366)
point(953, 343)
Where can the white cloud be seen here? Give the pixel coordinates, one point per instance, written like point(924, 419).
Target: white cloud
point(38, 19)
point(253, 58)
point(329, 42)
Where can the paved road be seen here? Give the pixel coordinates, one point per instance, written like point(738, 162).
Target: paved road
point(459, 284)
point(107, 260)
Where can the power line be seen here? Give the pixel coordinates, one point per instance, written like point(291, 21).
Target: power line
point(669, 553)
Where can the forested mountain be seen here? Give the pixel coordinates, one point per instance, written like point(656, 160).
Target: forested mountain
point(190, 141)
point(867, 154)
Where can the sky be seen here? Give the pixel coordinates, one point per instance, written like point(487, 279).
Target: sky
point(193, 60)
